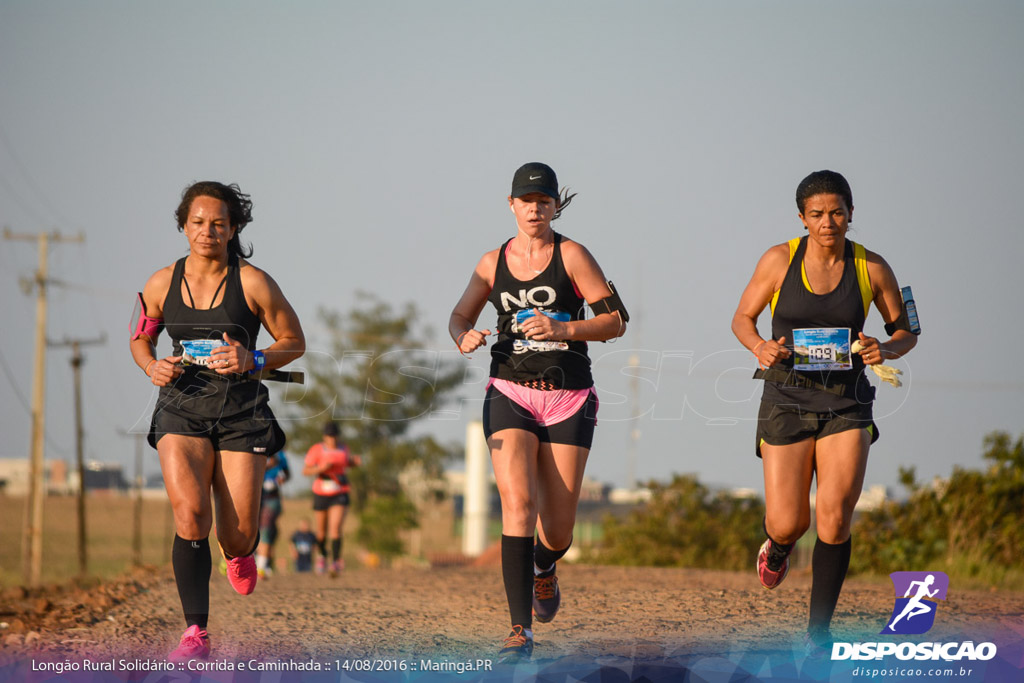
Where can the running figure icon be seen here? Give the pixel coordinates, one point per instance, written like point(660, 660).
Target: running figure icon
point(915, 606)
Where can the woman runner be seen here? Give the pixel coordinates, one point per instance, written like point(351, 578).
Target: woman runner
point(815, 418)
point(277, 473)
point(328, 461)
point(212, 426)
point(540, 408)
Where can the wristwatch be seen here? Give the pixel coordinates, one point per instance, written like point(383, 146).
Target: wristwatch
point(259, 359)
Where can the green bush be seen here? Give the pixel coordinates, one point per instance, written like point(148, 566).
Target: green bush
point(968, 525)
point(684, 525)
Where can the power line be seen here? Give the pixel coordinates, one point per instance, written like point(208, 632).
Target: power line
point(43, 197)
point(14, 384)
point(24, 404)
point(25, 205)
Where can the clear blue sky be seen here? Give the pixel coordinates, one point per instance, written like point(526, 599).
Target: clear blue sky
point(378, 141)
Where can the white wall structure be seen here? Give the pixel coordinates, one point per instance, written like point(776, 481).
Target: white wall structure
point(476, 500)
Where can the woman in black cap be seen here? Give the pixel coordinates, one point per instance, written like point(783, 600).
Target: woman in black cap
point(328, 461)
point(213, 427)
point(541, 407)
point(815, 418)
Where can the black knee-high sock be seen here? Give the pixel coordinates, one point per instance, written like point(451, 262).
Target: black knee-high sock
point(192, 566)
point(517, 571)
point(335, 549)
point(828, 566)
point(321, 544)
point(544, 557)
point(778, 552)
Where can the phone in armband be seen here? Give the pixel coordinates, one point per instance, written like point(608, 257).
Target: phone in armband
point(911, 310)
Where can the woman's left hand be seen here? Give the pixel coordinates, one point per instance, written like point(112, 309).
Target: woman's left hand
point(541, 327)
point(871, 350)
point(233, 358)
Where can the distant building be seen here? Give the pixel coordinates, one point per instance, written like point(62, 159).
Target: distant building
point(629, 496)
point(593, 491)
point(58, 478)
point(104, 476)
point(14, 476)
point(872, 497)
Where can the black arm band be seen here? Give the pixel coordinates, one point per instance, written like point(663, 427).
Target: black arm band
point(901, 323)
point(610, 304)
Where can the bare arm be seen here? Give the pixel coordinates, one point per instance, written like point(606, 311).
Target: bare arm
point(315, 468)
point(589, 279)
point(161, 371)
point(278, 318)
point(766, 280)
point(889, 303)
point(466, 312)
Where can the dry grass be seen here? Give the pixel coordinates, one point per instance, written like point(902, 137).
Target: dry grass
point(109, 532)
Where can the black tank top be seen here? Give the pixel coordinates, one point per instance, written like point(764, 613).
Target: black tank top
point(185, 323)
point(232, 315)
point(544, 364)
point(796, 308)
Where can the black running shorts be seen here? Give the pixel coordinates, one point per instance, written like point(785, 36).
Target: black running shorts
point(237, 420)
point(501, 412)
point(325, 502)
point(782, 425)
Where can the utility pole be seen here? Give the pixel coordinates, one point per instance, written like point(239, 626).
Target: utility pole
point(76, 370)
point(633, 452)
point(32, 538)
point(634, 422)
point(137, 508)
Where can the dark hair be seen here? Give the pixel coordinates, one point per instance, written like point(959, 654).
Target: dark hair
point(239, 209)
point(563, 202)
point(823, 182)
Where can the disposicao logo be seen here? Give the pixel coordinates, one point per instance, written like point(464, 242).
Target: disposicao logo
point(917, 594)
point(914, 612)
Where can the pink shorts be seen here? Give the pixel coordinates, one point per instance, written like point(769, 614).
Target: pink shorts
point(547, 407)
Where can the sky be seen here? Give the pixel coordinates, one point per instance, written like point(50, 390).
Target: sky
point(378, 143)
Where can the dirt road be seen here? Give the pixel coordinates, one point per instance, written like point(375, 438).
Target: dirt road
point(608, 613)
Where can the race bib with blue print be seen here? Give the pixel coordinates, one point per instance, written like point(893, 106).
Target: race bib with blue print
point(822, 348)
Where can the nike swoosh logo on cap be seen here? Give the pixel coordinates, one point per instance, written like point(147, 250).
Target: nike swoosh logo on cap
point(536, 177)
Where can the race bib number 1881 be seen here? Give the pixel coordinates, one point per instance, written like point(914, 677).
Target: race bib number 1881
point(822, 348)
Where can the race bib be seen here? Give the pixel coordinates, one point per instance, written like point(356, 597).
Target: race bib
point(197, 351)
point(524, 345)
point(822, 348)
point(329, 487)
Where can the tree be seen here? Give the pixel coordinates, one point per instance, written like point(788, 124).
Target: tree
point(378, 379)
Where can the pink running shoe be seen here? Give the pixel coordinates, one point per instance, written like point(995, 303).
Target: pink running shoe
point(242, 574)
point(195, 644)
point(321, 566)
point(770, 578)
point(336, 568)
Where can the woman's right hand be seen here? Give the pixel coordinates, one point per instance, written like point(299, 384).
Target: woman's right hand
point(471, 340)
point(770, 352)
point(165, 370)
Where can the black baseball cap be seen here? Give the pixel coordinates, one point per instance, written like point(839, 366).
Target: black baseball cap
point(535, 177)
point(331, 429)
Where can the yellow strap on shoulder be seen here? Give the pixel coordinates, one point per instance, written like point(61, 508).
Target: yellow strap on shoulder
point(860, 260)
point(793, 244)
